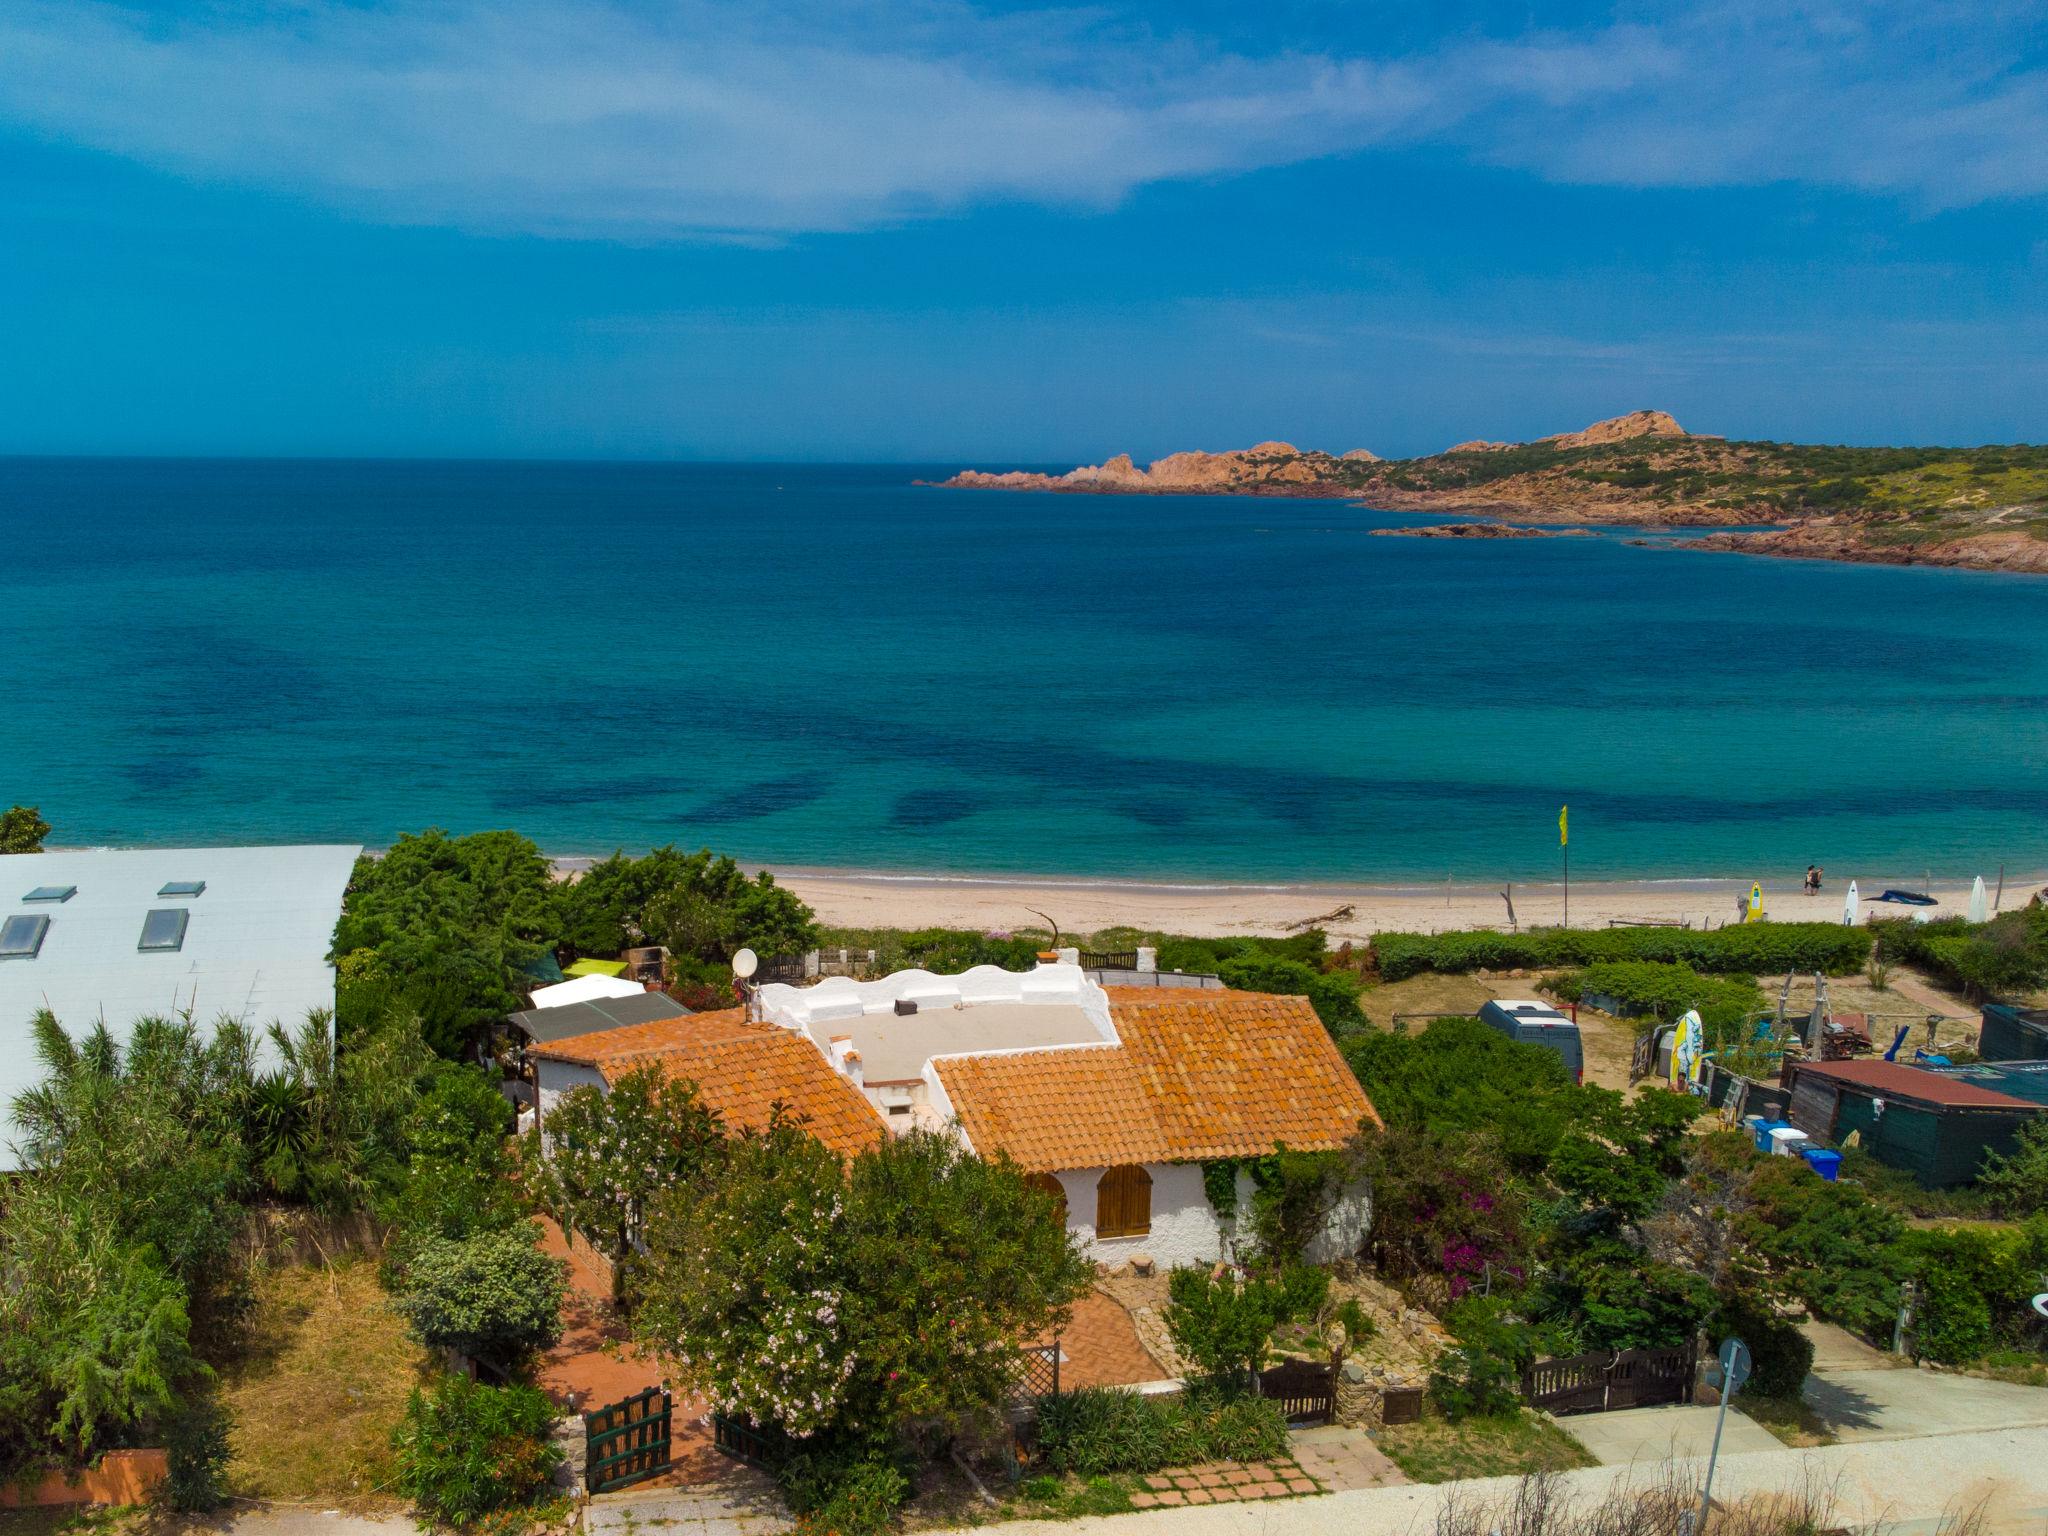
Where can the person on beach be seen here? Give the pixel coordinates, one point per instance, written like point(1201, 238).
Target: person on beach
point(1812, 879)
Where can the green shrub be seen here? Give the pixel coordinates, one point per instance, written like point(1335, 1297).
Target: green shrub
point(1951, 1318)
point(1224, 1324)
point(1748, 949)
point(1665, 990)
point(2007, 955)
point(1482, 1376)
point(196, 1452)
point(465, 1449)
point(1105, 1429)
point(844, 1491)
point(1780, 1355)
point(1974, 1285)
point(491, 1296)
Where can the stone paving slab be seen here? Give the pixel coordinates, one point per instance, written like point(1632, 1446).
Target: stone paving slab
point(1637, 1436)
point(1343, 1459)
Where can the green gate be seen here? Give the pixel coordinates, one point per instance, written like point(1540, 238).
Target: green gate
point(627, 1442)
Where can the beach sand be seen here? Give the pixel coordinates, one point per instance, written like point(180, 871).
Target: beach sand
point(855, 899)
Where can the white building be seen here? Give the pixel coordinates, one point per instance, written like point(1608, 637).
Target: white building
point(1113, 1099)
point(126, 933)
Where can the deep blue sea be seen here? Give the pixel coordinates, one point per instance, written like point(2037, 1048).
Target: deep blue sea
point(831, 666)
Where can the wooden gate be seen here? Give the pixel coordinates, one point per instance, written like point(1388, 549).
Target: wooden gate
point(1574, 1384)
point(1595, 1383)
point(627, 1442)
point(1643, 1378)
point(1305, 1391)
point(743, 1442)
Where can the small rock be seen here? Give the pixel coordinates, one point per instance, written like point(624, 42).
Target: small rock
point(1142, 1264)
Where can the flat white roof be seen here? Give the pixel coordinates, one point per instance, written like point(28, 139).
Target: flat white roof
point(894, 1047)
point(254, 943)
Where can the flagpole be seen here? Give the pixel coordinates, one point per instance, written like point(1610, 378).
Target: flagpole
point(1567, 847)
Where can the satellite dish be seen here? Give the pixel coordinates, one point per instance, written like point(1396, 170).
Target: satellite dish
point(2041, 1303)
point(745, 963)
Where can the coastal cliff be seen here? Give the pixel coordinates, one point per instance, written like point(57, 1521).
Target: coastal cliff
point(1984, 508)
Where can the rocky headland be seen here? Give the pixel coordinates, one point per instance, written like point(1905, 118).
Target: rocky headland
point(1985, 508)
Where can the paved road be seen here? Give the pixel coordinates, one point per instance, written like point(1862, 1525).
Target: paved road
point(1884, 1486)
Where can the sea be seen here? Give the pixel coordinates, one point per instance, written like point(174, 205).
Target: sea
point(833, 666)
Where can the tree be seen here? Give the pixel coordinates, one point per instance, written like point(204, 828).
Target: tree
point(450, 921)
point(491, 1296)
point(22, 830)
point(1225, 1323)
point(611, 1154)
point(855, 1304)
point(700, 905)
point(1622, 1153)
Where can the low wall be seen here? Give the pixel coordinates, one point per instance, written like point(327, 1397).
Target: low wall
point(122, 1477)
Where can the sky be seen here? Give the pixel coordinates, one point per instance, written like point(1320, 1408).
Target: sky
point(943, 232)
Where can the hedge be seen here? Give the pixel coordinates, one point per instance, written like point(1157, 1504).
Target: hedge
point(1665, 991)
point(1106, 1429)
point(1749, 949)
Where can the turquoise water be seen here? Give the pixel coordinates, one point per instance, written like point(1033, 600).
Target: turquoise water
point(831, 666)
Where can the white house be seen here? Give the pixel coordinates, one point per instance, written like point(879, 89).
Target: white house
point(1112, 1098)
point(124, 933)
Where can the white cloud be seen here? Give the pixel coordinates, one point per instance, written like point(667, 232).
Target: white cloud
point(579, 117)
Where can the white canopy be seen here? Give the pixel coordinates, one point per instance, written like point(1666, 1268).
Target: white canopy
point(585, 989)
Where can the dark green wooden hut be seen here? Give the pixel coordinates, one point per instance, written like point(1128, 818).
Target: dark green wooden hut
point(1937, 1124)
point(2012, 1033)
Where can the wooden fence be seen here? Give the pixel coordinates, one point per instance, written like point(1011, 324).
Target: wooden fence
point(1305, 1391)
point(1596, 1383)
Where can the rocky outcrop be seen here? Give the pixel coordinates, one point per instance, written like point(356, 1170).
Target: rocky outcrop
point(1868, 542)
point(1479, 531)
point(1278, 466)
point(1478, 445)
point(1360, 456)
point(1619, 429)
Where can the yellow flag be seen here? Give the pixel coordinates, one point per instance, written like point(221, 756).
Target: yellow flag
point(1562, 812)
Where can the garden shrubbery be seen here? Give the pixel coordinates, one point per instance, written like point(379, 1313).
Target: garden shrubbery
point(2007, 955)
point(466, 1450)
point(1104, 1429)
point(1665, 989)
point(1748, 949)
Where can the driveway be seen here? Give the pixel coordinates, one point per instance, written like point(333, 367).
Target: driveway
point(1902, 1404)
point(1639, 1436)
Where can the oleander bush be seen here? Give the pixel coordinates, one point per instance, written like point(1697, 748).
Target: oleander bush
point(1749, 949)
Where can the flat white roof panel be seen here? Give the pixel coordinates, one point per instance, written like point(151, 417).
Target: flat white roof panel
point(255, 944)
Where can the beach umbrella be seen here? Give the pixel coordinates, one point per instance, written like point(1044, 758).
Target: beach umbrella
point(1849, 912)
point(1980, 907)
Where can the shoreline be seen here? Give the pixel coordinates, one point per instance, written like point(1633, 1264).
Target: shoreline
point(856, 898)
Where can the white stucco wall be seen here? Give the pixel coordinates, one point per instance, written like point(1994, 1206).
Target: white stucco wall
point(1186, 1229)
point(552, 1079)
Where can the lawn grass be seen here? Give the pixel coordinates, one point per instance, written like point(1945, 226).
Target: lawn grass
point(1070, 1497)
point(317, 1387)
point(1438, 1451)
point(65, 1520)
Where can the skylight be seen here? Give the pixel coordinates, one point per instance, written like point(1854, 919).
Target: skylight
point(22, 935)
point(52, 893)
point(184, 888)
point(164, 928)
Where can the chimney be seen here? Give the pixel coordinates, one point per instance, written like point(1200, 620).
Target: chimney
point(1148, 959)
point(854, 1069)
point(1070, 957)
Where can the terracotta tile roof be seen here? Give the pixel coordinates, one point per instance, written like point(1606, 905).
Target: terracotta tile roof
point(1901, 1081)
point(1196, 1075)
point(742, 1070)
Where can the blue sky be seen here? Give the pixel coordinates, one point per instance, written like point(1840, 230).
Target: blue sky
point(915, 229)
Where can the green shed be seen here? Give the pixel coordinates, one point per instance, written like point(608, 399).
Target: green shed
point(1936, 1124)
point(2012, 1033)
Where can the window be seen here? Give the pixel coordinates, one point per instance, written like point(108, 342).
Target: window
point(164, 928)
point(22, 935)
point(184, 888)
point(52, 893)
point(1123, 1202)
point(1052, 1186)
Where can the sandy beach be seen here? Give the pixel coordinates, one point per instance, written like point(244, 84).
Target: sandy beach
point(856, 899)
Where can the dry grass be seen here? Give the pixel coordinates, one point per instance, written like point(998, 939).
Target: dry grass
point(1438, 1451)
point(316, 1390)
point(1608, 1043)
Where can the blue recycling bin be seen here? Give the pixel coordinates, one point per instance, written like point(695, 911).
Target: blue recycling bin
point(1823, 1162)
point(1763, 1133)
